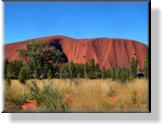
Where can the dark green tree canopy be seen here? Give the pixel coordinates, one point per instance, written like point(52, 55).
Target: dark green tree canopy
point(145, 67)
point(39, 58)
point(133, 68)
point(13, 69)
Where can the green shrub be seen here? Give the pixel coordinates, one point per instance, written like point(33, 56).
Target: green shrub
point(49, 99)
point(133, 68)
point(71, 68)
point(124, 75)
point(113, 73)
point(16, 99)
point(13, 69)
point(55, 70)
point(64, 71)
point(23, 75)
point(78, 70)
point(103, 73)
point(49, 74)
point(145, 67)
point(6, 62)
point(35, 93)
point(53, 100)
point(21, 99)
point(120, 74)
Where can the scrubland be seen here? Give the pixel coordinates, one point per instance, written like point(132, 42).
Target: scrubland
point(77, 95)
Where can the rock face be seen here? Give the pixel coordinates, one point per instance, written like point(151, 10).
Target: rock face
point(107, 52)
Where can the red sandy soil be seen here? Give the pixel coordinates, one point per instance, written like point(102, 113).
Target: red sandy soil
point(29, 105)
point(113, 101)
point(106, 52)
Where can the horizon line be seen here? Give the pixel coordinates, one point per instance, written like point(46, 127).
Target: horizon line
point(74, 38)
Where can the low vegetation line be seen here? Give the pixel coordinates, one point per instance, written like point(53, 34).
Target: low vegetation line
point(76, 95)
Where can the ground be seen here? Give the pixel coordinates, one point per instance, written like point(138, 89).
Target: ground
point(77, 95)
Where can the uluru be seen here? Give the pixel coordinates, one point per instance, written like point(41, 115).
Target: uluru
point(106, 52)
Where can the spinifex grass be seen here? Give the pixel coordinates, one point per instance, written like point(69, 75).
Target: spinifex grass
point(80, 95)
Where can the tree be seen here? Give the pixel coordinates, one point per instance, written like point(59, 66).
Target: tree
point(90, 69)
point(39, 58)
point(133, 68)
point(71, 68)
point(79, 70)
point(13, 69)
point(124, 75)
point(23, 75)
point(121, 74)
point(56, 70)
point(6, 62)
point(145, 67)
point(97, 71)
point(107, 73)
point(64, 71)
point(113, 73)
point(49, 74)
point(85, 70)
point(103, 73)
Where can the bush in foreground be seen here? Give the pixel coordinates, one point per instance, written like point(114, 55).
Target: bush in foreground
point(48, 99)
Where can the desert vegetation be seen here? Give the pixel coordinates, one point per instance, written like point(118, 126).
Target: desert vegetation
point(46, 81)
point(78, 95)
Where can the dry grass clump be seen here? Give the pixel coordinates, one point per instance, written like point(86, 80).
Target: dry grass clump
point(86, 95)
